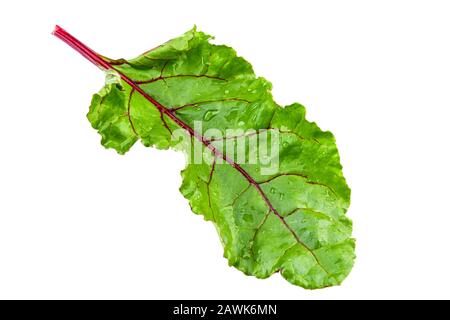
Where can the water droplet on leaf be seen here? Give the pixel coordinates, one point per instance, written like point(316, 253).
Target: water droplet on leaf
point(111, 77)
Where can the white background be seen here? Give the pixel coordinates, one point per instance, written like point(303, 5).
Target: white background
point(79, 221)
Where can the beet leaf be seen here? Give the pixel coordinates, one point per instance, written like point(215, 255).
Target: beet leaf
point(281, 210)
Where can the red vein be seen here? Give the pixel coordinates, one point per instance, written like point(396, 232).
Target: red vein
point(129, 112)
point(244, 135)
point(314, 183)
point(291, 132)
point(178, 76)
point(195, 104)
point(163, 67)
point(249, 134)
point(207, 187)
point(257, 230)
point(240, 194)
point(156, 59)
point(162, 70)
point(165, 123)
point(317, 213)
point(96, 59)
point(148, 51)
point(117, 62)
point(283, 175)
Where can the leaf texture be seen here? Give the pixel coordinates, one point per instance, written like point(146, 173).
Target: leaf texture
point(291, 220)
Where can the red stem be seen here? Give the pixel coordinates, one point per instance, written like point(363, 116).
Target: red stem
point(96, 59)
point(84, 50)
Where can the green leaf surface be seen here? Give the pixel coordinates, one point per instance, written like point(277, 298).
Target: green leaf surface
point(291, 220)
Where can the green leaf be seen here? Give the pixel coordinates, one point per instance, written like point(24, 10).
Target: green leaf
point(286, 217)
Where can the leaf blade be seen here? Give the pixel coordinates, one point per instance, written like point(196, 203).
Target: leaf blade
point(292, 221)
